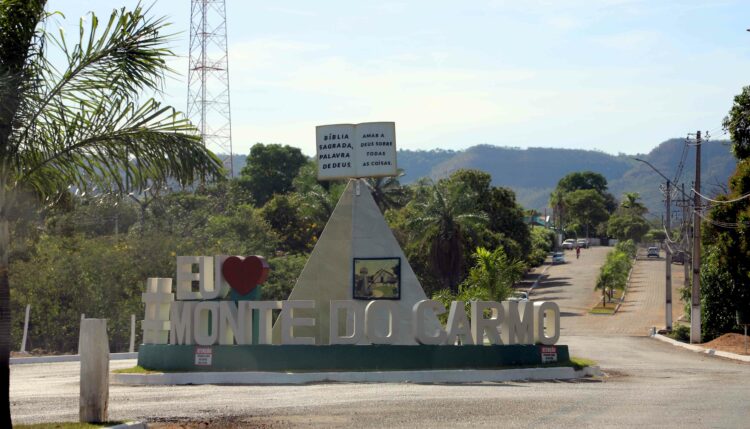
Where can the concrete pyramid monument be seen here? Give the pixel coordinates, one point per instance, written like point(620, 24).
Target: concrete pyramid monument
point(356, 229)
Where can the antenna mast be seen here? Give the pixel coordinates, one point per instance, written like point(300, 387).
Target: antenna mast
point(208, 78)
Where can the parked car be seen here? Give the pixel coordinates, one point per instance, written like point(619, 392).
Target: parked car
point(653, 252)
point(569, 244)
point(583, 242)
point(558, 258)
point(678, 258)
point(519, 296)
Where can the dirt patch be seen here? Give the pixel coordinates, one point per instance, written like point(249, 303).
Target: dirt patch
point(732, 343)
point(226, 422)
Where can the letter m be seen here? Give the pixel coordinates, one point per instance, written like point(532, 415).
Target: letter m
point(519, 323)
point(181, 323)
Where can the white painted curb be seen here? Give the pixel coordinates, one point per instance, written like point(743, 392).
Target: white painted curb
point(699, 349)
point(428, 376)
point(66, 358)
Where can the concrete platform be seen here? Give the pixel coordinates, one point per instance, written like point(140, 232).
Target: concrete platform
point(431, 376)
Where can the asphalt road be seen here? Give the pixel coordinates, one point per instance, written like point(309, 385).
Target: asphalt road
point(649, 384)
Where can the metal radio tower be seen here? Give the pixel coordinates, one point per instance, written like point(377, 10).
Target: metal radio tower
point(208, 77)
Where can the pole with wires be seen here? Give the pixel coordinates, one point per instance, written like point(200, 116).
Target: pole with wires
point(668, 259)
point(695, 308)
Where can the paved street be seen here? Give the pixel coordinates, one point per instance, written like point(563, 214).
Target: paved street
point(571, 285)
point(650, 384)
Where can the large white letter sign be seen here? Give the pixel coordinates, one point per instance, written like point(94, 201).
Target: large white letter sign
point(204, 310)
point(372, 318)
point(546, 313)
point(229, 323)
point(518, 325)
point(458, 324)
point(481, 326)
point(181, 323)
point(158, 298)
point(204, 277)
point(418, 322)
point(288, 321)
point(265, 318)
point(354, 327)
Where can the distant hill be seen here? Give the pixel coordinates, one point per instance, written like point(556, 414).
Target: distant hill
point(534, 172)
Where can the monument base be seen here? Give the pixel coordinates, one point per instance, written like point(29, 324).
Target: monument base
point(291, 358)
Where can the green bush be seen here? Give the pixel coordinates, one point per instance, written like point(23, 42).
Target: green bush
point(680, 333)
point(542, 241)
point(614, 273)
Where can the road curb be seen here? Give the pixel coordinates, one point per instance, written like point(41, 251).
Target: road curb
point(627, 285)
point(130, 425)
point(536, 282)
point(66, 358)
point(429, 376)
point(699, 349)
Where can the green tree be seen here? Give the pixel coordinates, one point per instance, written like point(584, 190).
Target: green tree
point(570, 218)
point(737, 122)
point(631, 205)
point(84, 122)
point(542, 242)
point(725, 279)
point(494, 272)
point(270, 169)
point(613, 275)
point(440, 223)
point(586, 208)
point(505, 226)
point(283, 214)
point(388, 192)
point(627, 227)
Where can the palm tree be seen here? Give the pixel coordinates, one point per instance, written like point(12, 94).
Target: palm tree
point(387, 191)
point(442, 220)
point(84, 123)
point(557, 202)
point(630, 202)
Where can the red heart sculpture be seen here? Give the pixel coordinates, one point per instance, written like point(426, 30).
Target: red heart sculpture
point(244, 274)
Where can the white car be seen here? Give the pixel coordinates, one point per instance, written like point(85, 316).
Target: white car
point(653, 252)
point(519, 296)
point(569, 244)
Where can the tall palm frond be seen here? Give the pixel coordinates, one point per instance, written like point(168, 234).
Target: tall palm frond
point(90, 122)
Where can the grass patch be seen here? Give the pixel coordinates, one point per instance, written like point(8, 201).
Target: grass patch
point(580, 363)
point(135, 370)
point(67, 425)
point(609, 307)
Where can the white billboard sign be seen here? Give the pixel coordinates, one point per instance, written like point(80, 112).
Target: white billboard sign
point(356, 150)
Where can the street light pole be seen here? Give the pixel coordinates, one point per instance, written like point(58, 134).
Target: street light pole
point(668, 259)
point(695, 307)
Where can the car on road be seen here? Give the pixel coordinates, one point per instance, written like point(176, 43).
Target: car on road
point(558, 258)
point(652, 252)
point(679, 257)
point(569, 244)
point(583, 242)
point(519, 296)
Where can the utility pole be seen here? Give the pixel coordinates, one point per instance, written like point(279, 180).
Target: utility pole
point(686, 233)
point(668, 226)
point(695, 308)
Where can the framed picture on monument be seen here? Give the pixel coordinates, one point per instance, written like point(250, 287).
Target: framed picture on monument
point(376, 278)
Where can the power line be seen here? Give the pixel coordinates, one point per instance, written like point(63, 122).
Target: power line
point(721, 201)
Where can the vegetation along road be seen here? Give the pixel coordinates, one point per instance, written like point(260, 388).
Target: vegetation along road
point(649, 383)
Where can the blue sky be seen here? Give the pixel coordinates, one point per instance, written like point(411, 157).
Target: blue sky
point(612, 75)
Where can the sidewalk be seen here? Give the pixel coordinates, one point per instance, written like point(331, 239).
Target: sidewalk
point(699, 349)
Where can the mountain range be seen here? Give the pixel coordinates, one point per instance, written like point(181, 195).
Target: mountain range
point(534, 172)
